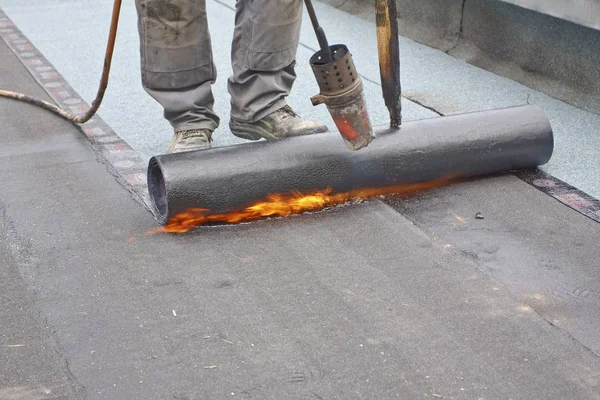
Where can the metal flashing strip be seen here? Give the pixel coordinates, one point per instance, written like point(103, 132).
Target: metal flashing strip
point(130, 168)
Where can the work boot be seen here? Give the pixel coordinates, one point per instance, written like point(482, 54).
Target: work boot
point(190, 140)
point(277, 125)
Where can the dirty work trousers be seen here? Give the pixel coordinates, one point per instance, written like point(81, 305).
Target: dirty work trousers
point(178, 68)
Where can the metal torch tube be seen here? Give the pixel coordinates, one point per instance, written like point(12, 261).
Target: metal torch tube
point(321, 37)
point(231, 178)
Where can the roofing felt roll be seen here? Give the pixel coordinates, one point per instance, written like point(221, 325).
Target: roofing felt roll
point(230, 178)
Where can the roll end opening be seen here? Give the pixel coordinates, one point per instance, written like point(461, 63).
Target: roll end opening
point(158, 191)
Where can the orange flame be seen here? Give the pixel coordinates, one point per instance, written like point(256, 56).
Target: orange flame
point(282, 205)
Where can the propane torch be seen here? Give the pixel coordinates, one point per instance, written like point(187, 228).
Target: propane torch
point(341, 88)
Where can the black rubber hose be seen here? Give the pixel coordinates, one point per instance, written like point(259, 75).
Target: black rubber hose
point(61, 112)
point(231, 178)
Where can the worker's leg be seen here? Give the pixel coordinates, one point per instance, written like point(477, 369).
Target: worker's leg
point(263, 58)
point(177, 65)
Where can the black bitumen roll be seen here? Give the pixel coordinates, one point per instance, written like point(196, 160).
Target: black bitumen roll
point(231, 178)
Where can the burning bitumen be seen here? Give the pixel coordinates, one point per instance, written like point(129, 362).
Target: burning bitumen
point(285, 204)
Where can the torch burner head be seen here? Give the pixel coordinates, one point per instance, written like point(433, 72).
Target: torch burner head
point(342, 92)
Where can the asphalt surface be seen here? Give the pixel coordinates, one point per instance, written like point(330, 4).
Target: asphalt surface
point(543, 252)
point(32, 366)
point(358, 302)
point(72, 35)
point(32, 363)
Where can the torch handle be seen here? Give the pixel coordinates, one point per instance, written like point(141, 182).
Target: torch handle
point(389, 58)
point(325, 51)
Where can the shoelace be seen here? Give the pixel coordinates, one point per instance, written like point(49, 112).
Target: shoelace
point(287, 112)
point(193, 134)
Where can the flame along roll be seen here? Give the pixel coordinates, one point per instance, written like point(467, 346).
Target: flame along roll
point(231, 178)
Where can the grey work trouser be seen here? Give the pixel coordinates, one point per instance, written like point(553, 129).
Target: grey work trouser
point(178, 68)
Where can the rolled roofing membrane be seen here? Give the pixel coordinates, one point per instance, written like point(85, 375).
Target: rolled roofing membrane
point(228, 179)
